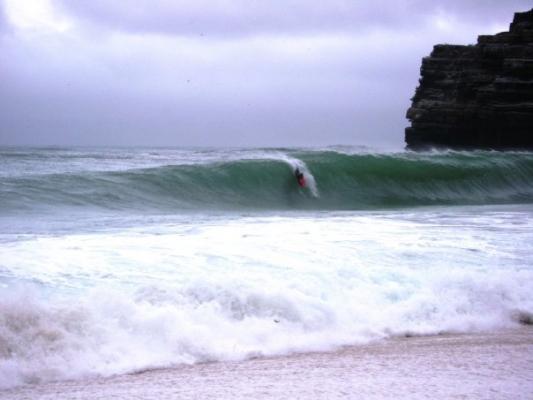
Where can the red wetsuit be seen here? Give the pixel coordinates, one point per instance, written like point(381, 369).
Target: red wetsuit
point(300, 177)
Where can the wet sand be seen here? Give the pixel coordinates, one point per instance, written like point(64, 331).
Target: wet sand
point(474, 366)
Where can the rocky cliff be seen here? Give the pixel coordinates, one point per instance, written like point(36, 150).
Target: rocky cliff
point(477, 96)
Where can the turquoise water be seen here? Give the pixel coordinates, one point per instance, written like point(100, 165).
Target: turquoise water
point(171, 181)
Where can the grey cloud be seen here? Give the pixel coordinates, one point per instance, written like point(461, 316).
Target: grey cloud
point(3, 19)
point(160, 97)
point(245, 17)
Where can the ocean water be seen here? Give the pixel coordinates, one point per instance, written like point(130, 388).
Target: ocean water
point(117, 260)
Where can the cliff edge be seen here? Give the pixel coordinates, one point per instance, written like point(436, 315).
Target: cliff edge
point(477, 96)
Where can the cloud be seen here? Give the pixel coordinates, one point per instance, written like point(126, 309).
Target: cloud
point(3, 19)
point(250, 17)
point(139, 89)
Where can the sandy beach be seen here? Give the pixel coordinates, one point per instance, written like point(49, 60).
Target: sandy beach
point(473, 366)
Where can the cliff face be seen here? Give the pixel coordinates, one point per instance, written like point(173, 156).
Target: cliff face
point(477, 96)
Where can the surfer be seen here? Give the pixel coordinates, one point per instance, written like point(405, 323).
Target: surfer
point(299, 177)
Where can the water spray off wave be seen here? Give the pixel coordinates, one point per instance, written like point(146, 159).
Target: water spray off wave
point(336, 181)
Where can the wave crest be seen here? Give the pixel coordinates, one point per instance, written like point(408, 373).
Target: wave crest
point(337, 181)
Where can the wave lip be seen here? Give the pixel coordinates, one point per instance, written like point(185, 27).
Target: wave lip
point(337, 181)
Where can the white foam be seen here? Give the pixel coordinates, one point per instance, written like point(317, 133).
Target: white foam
point(229, 289)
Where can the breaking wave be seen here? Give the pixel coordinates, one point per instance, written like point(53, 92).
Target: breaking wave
point(337, 181)
point(109, 332)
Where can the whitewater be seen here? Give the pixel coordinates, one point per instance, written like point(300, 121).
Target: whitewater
point(120, 260)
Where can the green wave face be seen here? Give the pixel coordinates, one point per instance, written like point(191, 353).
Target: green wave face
point(336, 181)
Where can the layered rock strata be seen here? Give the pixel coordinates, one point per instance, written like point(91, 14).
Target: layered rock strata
point(477, 96)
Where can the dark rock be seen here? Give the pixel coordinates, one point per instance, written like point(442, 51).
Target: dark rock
point(477, 96)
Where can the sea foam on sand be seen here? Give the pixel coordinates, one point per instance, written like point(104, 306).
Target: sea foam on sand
point(496, 365)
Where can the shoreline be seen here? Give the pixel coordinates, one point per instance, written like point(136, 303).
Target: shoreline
point(474, 366)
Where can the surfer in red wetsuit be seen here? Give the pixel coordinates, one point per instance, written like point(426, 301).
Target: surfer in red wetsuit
point(299, 177)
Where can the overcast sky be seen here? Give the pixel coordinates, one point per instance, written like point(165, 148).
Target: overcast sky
point(228, 72)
